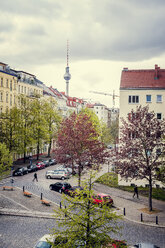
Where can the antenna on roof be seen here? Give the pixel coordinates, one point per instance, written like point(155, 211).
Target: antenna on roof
point(67, 75)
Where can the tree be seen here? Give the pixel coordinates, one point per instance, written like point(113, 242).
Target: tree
point(53, 118)
point(78, 141)
point(26, 132)
point(10, 127)
point(38, 124)
point(140, 147)
point(5, 158)
point(81, 222)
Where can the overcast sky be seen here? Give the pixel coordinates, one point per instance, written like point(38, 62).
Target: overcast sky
point(104, 37)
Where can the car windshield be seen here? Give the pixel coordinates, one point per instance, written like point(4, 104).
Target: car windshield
point(106, 198)
point(43, 244)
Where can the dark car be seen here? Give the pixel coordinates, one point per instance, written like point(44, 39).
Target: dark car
point(75, 191)
point(32, 168)
point(144, 245)
point(20, 171)
point(46, 162)
point(60, 186)
point(52, 161)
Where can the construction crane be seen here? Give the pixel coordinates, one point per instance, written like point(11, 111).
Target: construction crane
point(107, 94)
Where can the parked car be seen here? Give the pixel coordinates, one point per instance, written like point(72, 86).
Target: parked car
point(40, 165)
point(144, 245)
point(20, 171)
point(46, 162)
point(60, 187)
point(58, 174)
point(43, 242)
point(101, 199)
point(62, 167)
point(52, 161)
point(74, 191)
point(32, 168)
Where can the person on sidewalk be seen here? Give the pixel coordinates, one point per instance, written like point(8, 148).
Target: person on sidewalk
point(35, 177)
point(136, 192)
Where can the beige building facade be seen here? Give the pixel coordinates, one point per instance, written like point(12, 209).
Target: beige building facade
point(142, 87)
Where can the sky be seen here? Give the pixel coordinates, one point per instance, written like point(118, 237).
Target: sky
point(104, 37)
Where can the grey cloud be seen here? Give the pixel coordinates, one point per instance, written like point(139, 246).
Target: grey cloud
point(111, 30)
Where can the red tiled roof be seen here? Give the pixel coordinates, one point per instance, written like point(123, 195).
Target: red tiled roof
point(143, 78)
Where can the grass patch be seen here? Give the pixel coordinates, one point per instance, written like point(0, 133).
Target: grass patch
point(111, 179)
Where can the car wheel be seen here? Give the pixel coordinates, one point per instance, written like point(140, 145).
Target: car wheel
point(50, 187)
point(21, 173)
point(62, 178)
point(48, 177)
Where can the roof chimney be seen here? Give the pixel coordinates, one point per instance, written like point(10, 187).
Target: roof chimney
point(156, 72)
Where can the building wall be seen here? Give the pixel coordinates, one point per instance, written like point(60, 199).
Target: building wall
point(157, 107)
point(8, 91)
point(129, 94)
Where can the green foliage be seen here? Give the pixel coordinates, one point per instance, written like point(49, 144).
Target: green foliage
point(5, 159)
point(83, 222)
point(110, 179)
point(53, 119)
point(10, 122)
point(93, 118)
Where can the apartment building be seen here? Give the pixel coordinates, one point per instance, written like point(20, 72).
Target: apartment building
point(8, 88)
point(142, 87)
point(13, 83)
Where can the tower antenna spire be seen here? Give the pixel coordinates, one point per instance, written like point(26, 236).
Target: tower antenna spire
point(67, 53)
point(67, 75)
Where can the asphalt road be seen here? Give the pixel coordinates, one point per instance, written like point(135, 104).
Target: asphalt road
point(23, 232)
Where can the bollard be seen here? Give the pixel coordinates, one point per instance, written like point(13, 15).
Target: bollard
point(41, 196)
point(141, 217)
point(60, 205)
point(65, 212)
point(124, 211)
point(23, 188)
point(156, 220)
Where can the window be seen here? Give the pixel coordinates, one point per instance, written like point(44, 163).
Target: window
point(159, 116)
point(0, 110)
point(14, 99)
point(19, 89)
point(22, 89)
point(1, 96)
point(7, 83)
point(10, 85)
point(159, 98)
point(10, 100)
point(1, 82)
point(25, 90)
point(148, 98)
point(133, 99)
point(7, 96)
point(15, 85)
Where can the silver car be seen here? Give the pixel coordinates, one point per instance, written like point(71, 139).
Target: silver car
point(58, 174)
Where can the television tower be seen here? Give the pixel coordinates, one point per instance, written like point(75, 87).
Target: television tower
point(67, 75)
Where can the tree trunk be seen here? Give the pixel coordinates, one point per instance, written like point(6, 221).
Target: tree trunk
point(24, 157)
point(38, 150)
point(150, 193)
point(49, 148)
point(79, 174)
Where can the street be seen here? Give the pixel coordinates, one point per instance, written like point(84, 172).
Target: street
point(22, 232)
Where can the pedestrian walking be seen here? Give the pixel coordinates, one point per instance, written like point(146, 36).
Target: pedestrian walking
point(35, 177)
point(136, 192)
